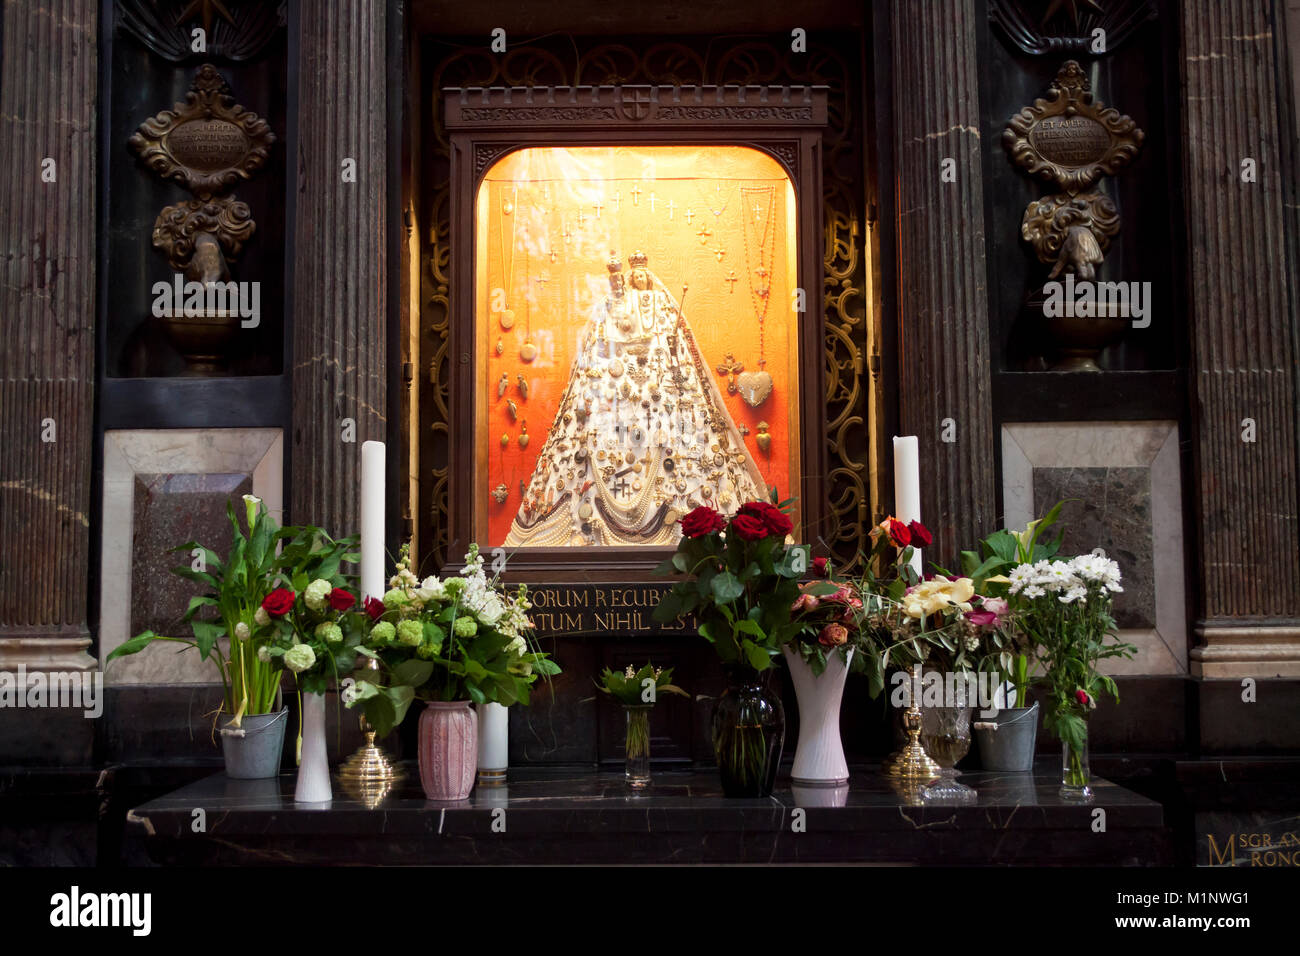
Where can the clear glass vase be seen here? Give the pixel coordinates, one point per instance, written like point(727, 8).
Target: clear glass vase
point(1076, 776)
point(637, 746)
point(945, 735)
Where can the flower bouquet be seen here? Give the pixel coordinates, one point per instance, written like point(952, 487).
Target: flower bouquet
point(637, 691)
point(1064, 608)
point(449, 642)
point(740, 579)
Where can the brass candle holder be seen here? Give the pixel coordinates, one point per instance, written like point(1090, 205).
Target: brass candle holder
point(369, 771)
point(912, 762)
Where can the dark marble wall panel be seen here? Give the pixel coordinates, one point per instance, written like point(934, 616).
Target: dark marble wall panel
point(1109, 508)
point(170, 510)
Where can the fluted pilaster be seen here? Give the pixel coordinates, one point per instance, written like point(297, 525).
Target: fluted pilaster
point(47, 365)
point(1243, 341)
point(942, 303)
point(339, 309)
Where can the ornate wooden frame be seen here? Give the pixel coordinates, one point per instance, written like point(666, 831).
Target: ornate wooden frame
point(483, 124)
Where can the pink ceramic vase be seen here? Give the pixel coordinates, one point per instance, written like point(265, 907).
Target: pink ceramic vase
point(448, 749)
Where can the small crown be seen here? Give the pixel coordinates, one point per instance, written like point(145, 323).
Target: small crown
point(615, 263)
point(637, 259)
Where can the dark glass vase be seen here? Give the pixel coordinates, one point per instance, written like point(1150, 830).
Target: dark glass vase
point(748, 733)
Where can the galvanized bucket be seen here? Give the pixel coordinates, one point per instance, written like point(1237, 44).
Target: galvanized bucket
point(253, 750)
point(1007, 741)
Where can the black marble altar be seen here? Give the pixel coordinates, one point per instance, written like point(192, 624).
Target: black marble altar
point(580, 817)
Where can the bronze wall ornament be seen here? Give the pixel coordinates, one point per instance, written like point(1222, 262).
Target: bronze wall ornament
point(209, 143)
point(1070, 138)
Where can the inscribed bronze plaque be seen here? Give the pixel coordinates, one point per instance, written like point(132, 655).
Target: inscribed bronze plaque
point(1070, 138)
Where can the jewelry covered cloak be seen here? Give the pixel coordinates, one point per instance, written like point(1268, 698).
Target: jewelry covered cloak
point(642, 434)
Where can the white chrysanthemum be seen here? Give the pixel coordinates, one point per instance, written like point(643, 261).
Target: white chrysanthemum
point(1021, 576)
point(316, 594)
point(1077, 593)
point(1033, 591)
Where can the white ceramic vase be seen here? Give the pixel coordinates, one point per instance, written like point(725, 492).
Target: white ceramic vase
point(314, 768)
point(819, 755)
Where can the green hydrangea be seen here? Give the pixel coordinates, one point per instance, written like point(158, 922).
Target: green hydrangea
point(317, 593)
point(329, 632)
point(465, 627)
point(299, 658)
point(426, 651)
point(410, 633)
point(382, 633)
point(454, 586)
point(394, 598)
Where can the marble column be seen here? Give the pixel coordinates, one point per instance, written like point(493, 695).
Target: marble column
point(1244, 345)
point(944, 369)
point(339, 301)
point(48, 82)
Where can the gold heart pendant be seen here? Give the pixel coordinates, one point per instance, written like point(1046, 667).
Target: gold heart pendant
point(754, 387)
point(764, 438)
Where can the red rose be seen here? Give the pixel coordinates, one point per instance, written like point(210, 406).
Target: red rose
point(774, 519)
point(279, 602)
point(821, 567)
point(899, 534)
point(703, 520)
point(749, 527)
point(341, 600)
point(374, 607)
point(833, 635)
point(1084, 699)
point(920, 535)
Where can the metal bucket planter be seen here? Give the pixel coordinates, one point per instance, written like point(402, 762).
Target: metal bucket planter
point(253, 750)
point(1007, 741)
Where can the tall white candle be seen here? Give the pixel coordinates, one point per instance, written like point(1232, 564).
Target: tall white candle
point(907, 486)
point(493, 742)
point(372, 519)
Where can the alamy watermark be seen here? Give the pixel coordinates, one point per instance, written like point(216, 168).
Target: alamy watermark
point(1087, 299)
point(950, 689)
point(196, 299)
point(41, 689)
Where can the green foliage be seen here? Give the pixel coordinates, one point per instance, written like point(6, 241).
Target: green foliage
point(632, 687)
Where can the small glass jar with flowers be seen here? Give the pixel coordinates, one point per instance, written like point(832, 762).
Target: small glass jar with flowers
point(638, 691)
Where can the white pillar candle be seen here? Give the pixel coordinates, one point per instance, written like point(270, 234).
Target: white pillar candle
point(372, 519)
point(907, 486)
point(493, 743)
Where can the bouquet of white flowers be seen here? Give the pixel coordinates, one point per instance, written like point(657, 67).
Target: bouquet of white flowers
point(1064, 608)
point(455, 638)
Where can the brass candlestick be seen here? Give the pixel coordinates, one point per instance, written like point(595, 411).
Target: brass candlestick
point(369, 770)
point(912, 762)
